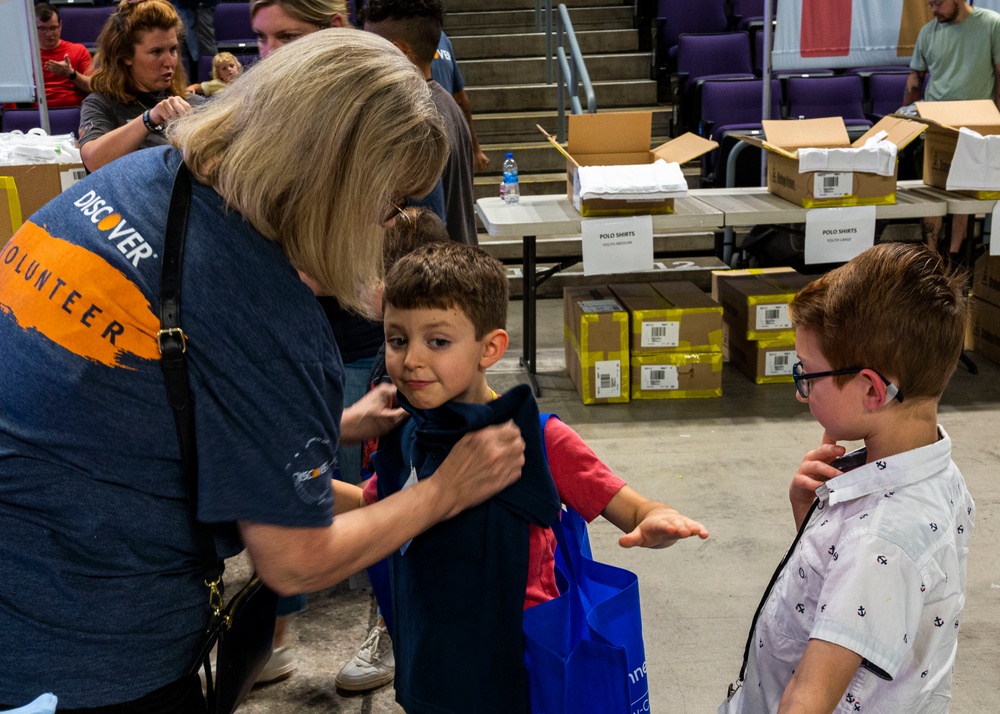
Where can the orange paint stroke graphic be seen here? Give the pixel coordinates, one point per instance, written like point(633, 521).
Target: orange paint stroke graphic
point(75, 298)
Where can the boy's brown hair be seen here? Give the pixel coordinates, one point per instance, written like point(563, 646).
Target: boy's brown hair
point(897, 309)
point(451, 275)
point(414, 226)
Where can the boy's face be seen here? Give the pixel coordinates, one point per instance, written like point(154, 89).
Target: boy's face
point(228, 71)
point(433, 356)
point(838, 409)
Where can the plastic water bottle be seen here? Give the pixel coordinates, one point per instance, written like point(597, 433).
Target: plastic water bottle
point(511, 190)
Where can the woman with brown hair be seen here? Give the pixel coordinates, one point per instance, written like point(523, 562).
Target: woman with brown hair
point(139, 85)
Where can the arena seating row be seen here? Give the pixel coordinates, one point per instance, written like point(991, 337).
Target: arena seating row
point(733, 106)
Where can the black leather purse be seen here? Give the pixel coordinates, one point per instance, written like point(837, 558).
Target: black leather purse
point(243, 629)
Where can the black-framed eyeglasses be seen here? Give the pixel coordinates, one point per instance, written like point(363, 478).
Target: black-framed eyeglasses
point(803, 381)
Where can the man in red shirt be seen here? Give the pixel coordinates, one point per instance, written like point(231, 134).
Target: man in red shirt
point(66, 64)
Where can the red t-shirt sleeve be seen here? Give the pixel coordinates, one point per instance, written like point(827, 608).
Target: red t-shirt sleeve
point(583, 481)
point(370, 491)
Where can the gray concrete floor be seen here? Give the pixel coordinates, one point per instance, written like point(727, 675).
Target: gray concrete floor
point(727, 462)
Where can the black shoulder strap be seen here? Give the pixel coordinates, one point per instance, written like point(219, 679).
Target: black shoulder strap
point(173, 359)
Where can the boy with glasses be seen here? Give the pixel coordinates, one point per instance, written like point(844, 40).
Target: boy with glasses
point(66, 64)
point(864, 612)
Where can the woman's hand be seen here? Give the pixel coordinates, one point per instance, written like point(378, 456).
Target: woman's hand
point(168, 110)
point(479, 466)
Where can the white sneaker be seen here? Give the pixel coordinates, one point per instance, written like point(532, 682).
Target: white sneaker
point(372, 667)
point(279, 666)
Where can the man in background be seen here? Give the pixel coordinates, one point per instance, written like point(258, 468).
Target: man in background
point(414, 26)
point(960, 48)
point(445, 71)
point(66, 65)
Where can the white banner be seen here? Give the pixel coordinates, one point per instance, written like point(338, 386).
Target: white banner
point(828, 34)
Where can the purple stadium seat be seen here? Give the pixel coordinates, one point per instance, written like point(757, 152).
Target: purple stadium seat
point(83, 24)
point(675, 17)
point(887, 92)
point(732, 107)
point(816, 97)
point(745, 12)
point(233, 32)
point(61, 121)
point(708, 56)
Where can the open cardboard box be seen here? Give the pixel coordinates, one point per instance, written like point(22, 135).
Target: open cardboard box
point(622, 139)
point(827, 189)
point(37, 184)
point(943, 120)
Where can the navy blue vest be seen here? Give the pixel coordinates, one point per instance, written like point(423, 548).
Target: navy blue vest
point(458, 591)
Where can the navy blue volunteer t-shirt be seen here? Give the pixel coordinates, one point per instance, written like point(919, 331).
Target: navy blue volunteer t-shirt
point(102, 597)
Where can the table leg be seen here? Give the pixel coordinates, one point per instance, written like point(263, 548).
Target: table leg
point(528, 321)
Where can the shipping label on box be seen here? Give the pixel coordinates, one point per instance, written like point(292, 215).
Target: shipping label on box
point(596, 344)
point(758, 300)
point(982, 333)
point(684, 319)
point(767, 361)
point(676, 375)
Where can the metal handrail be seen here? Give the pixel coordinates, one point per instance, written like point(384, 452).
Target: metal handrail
point(577, 72)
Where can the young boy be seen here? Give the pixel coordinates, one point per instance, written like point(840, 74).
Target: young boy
point(864, 615)
point(460, 589)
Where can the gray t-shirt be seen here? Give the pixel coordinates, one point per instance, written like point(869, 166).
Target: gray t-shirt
point(960, 57)
point(459, 199)
point(100, 115)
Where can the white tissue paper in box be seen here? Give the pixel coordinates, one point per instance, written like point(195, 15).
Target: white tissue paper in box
point(976, 163)
point(37, 147)
point(877, 156)
point(642, 182)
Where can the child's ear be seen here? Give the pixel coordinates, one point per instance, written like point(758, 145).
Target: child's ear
point(876, 395)
point(494, 346)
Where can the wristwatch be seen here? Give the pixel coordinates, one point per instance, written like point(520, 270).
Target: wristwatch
point(150, 126)
point(73, 76)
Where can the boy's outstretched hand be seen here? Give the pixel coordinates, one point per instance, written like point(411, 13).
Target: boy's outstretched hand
point(661, 527)
point(647, 523)
point(814, 470)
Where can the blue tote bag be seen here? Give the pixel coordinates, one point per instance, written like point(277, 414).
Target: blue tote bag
point(583, 650)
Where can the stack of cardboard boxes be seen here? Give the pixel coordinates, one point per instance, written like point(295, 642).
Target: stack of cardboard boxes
point(642, 341)
point(983, 333)
point(758, 336)
point(675, 343)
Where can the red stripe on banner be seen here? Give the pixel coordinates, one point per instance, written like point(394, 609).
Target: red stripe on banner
point(826, 28)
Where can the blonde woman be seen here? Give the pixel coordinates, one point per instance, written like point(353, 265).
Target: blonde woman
point(139, 85)
point(278, 22)
point(101, 574)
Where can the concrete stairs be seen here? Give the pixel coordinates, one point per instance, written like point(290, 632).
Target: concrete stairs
point(503, 62)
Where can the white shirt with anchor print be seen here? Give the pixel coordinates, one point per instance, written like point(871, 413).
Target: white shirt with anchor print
point(880, 570)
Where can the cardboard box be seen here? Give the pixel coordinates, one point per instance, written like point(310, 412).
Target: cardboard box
point(622, 138)
point(756, 301)
point(596, 344)
point(676, 375)
point(943, 120)
point(37, 184)
point(825, 189)
point(982, 332)
point(767, 361)
point(665, 318)
point(986, 279)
